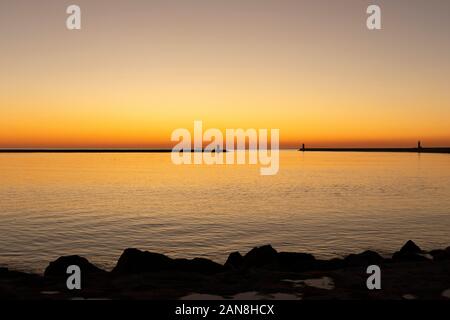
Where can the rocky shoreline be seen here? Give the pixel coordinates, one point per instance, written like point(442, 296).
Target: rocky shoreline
point(262, 273)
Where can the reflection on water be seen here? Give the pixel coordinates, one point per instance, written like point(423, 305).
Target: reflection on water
point(325, 203)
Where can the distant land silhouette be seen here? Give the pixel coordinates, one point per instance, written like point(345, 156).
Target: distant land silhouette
point(418, 149)
point(96, 150)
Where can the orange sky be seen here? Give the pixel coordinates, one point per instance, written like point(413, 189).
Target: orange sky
point(140, 69)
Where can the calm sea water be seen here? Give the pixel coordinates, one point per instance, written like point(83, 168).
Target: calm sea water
point(329, 204)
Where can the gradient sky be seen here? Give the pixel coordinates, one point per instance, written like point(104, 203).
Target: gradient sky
point(140, 69)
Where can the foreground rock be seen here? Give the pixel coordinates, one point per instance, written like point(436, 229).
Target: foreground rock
point(134, 261)
point(260, 256)
point(234, 261)
point(440, 255)
point(365, 258)
point(137, 261)
point(410, 252)
point(267, 257)
point(58, 268)
point(262, 272)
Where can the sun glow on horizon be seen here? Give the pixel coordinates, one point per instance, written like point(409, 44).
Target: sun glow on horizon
point(140, 70)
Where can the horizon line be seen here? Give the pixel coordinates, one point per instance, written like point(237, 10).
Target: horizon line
point(167, 150)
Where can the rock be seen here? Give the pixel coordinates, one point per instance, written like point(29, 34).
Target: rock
point(295, 261)
point(137, 261)
point(198, 265)
point(332, 264)
point(446, 293)
point(363, 259)
point(134, 261)
point(409, 252)
point(410, 247)
point(234, 261)
point(58, 268)
point(439, 255)
point(260, 256)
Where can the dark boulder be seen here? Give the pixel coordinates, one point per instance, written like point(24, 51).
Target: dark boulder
point(440, 255)
point(134, 261)
point(409, 252)
point(260, 256)
point(363, 259)
point(137, 261)
point(198, 265)
point(58, 268)
point(410, 247)
point(332, 264)
point(295, 261)
point(234, 261)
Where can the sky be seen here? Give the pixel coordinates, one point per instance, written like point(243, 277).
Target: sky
point(138, 70)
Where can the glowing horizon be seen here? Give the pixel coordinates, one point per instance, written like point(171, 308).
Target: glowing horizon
point(140, 69)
